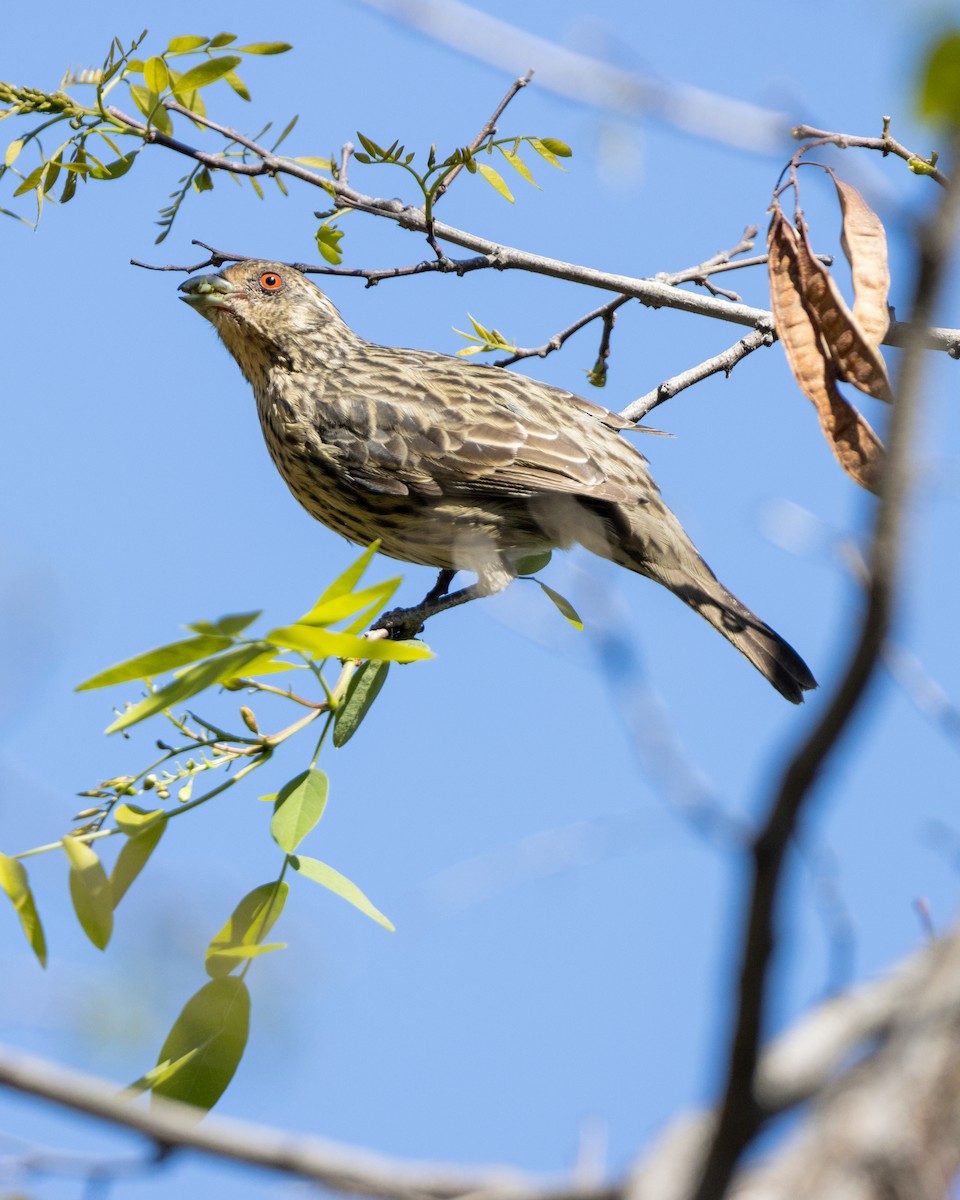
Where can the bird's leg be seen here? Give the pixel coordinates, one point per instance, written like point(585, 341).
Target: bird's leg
point(441, 587)
point(403, 623)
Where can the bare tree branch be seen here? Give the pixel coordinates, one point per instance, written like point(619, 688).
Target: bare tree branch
point(885, 144)
point(797, 1066)
point(650, 292)
point(724, 361)
point(173, 1126)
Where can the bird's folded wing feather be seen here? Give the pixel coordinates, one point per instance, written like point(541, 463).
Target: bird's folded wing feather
point(483, 431)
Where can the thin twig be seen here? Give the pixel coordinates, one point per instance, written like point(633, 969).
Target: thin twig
point(489, 129)
point(346, 150)
point(740, 1116)
point(725, 361)
point(558, 339)
point(885, 144)
point(708, 266)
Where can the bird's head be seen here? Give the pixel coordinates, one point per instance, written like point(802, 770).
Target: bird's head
point(266, 310)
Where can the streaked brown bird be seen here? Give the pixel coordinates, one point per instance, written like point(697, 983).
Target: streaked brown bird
point(455, 465)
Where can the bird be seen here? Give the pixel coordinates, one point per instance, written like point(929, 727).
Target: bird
point(456, 465)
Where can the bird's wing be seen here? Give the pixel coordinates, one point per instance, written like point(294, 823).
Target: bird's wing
point(435, 426)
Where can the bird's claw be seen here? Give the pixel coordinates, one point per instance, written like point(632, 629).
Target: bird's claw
point(401, 624)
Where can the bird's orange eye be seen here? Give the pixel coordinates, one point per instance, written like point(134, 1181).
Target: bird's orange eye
point(271, 282)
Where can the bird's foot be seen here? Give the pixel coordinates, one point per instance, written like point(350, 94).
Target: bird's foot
point(404, 623)
point(401, 624)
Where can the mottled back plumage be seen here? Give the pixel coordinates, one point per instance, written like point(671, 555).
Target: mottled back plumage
point(455, 465)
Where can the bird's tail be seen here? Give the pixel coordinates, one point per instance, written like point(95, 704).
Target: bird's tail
point(676, 564)
point(770, 654)
point(648, 538)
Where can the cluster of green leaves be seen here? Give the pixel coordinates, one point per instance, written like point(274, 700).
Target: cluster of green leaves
point(434, 178)
point(206, 1042)
point(92, 150)
point(171, 83)
point(486, 340)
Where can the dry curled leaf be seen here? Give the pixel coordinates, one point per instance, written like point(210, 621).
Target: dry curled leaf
point(856, 447)
point(864, 242)
point(854, 358)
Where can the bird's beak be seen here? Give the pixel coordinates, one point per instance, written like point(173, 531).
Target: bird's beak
point(208, 292)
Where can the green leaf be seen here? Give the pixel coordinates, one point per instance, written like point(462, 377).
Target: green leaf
point(321, 164)
point(155, 74)
point(267, 664)
point(328, 243)
point(32, 181)
point(157, 115)
point(13, 880)
point(141, 97)
point(17, 217)
point(351, 576)
point(266, 48)
point(328, 612)
point(160, 1072)
point(51, 173)
point(298, 808)
point(249, 924)
point(370, 146)
point(482, 332)
point(155, 662)
point(132, 819)
point(519, 165)
point(940, 86)
point(89, 891)
point(283, 136)
point(561, 149)
point(194, 101)
point(243, 953)
point(319, 872)
point(184, 45)
point(134, 853)
point(362, 690)
point(122, 165)
point(237, 84)
point(495, 179)
point(215, 1023)
point(205, 73)
point(363, 158)
point(530, 564)
point(13, 151)
point(193, 680)
point(229, 626)
point(69, 187)
point(597, 376)
point(544, 153)
point(326, 643)
point(563, 604)
point(222, 39)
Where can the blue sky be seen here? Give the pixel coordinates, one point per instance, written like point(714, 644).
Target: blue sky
point(564, 933)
